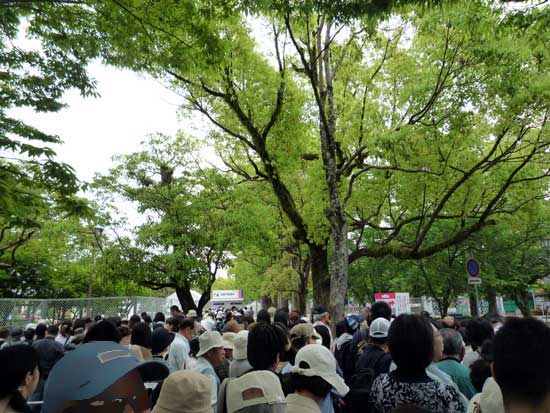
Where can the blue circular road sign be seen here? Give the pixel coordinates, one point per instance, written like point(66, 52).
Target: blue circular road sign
point(472, 268)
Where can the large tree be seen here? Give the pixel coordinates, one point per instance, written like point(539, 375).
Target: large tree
point(184, 240)
point(394, 118)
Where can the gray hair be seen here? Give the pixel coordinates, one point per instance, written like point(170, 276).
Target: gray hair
point(452, 341)
point(318, 317)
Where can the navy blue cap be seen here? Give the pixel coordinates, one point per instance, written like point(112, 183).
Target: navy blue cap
point(90, 369)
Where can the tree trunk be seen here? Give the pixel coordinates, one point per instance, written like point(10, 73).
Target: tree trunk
point(282, 302)
point(319, 274)
point(339, 268)
point(522, 301)
point(492, 298)
point(266, 301)
point(185, 298)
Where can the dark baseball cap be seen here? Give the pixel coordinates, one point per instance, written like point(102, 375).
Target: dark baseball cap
point(90, 369)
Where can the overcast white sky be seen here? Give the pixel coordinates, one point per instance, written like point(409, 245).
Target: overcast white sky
point(94, 129)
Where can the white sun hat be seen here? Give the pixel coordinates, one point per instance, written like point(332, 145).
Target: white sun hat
point(209, 340)
point(317, 360)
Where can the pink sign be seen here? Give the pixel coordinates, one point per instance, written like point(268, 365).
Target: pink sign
point(399, 302)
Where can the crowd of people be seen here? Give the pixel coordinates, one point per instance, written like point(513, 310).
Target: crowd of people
point(277, 361)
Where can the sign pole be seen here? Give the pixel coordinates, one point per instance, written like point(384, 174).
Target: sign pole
point(478, 304)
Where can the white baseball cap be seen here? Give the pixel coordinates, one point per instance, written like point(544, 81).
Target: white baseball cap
point(240, 344)
point(254, 388)
point(321, 363)
point(209, 340)
point(379, 328)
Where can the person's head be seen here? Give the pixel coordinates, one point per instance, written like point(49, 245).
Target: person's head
point(301, 335)
point(211, 347)
point(265, 343)
point(255, 392)
point(16, 334)
point(437, 344)
point(29, 334)
point(19, 374)
point(52, 331)
point(186, 392)
point(172, 324)
point(175, 311)
point(453, 345)
point(102, 331)
point(239, 345)
point(192, 314)
point(315, 373)
point(194, 347)
point(378, 331)
point(134, 320)
point(65, 328)
point(125, 335)
point(480, 371)
point(102, 377)
point(450, 322)
point(495, 319)
point(521, 364)
point(380, 309)
point(229, 344)
point(98, 318)
point(40, 331)
point(186, 327)
point(232, 327)
point(141, 335)
point(263, 316)
point(478, 331)
point(159, 318)
point(281, 316)
point(411, 344)
point(352, 323)
point(147, 319)
point(293, 318)
point(320, 313)
point(160, 341)
point(117, 321)
point(4, 333)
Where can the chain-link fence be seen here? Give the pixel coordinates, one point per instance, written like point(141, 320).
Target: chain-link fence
point(17, 312)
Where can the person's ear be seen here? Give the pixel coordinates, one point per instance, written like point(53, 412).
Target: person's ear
point(29, 378)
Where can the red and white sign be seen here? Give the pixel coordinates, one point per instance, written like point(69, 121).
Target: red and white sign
point(399, 302)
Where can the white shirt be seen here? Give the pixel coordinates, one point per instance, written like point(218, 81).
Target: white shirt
point(203, 366)
point(179, 352)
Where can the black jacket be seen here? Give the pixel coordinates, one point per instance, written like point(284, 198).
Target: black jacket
point(375, 358)
point(49, 352)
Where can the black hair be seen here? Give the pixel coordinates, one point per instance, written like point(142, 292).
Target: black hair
point(102, 331)
point(184, 323)
point(147, 319)
point(16, 362)
point(40, 331)
point(174, 322)
point(324, 332)
point(438, 324)
point(378, 340)
point(265, 343)
point(480, 370)
point(134, 320)
point(29, 334)
point(380, 309)
point(116, 321)
point(411, 344)
point(281, 316)
point(522, 361)
point(194, 346)
point(159, 317)
point(478, 331)
point(141, 335)
point(98, 318)
point(52, 330)
point(4, 333)
point(175, 308)
point(314, 384)
point(341, 328)
point(87, 320)
point(124, 331)
point(79, 323)
point(263, 316)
